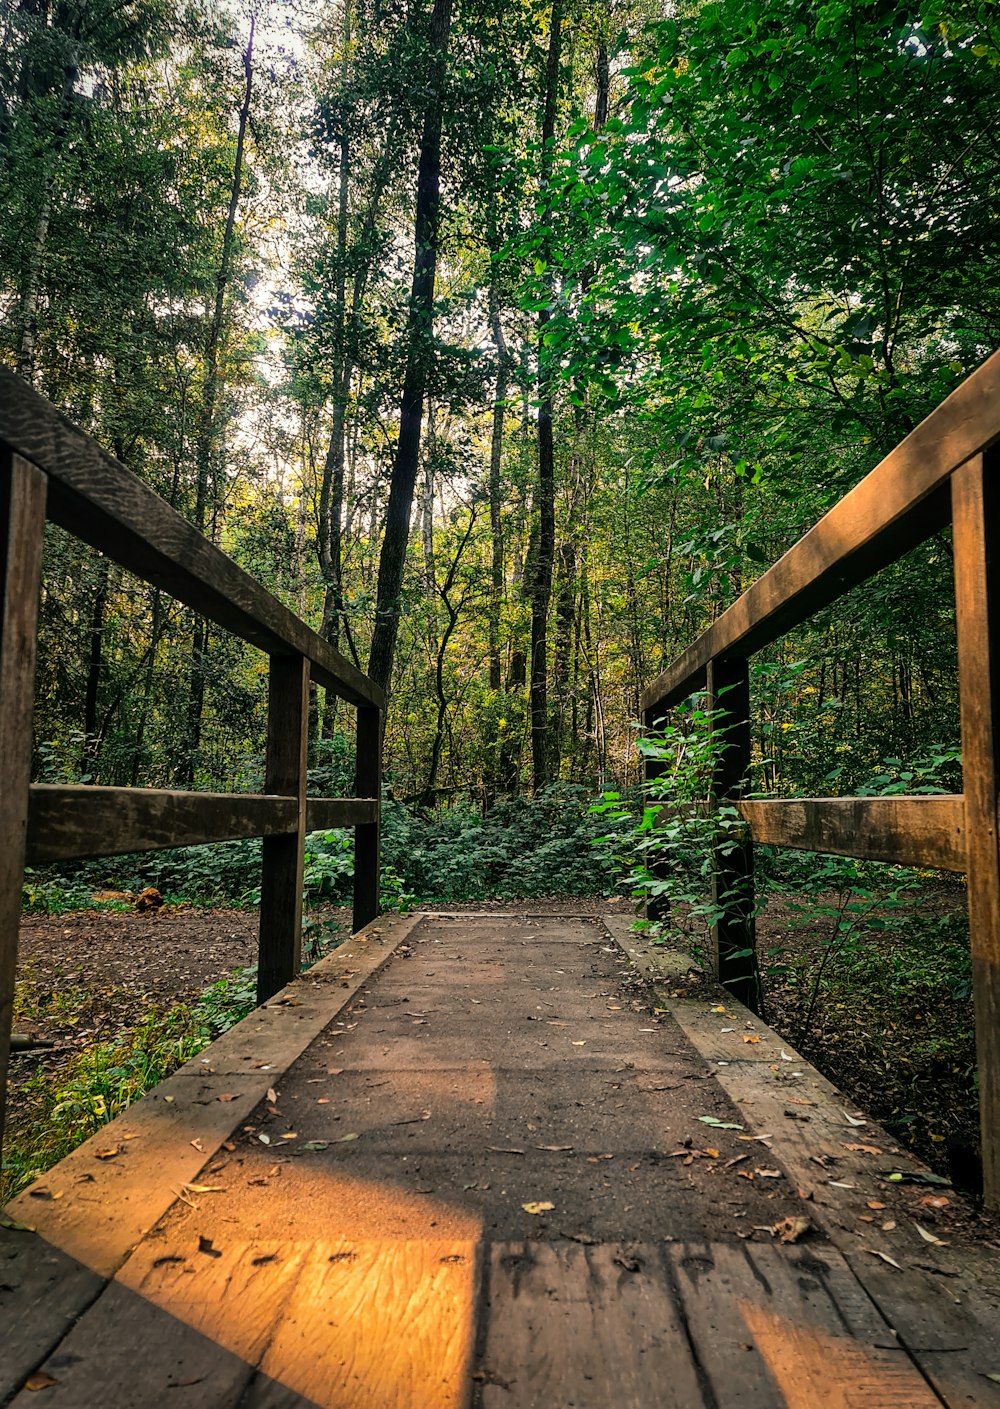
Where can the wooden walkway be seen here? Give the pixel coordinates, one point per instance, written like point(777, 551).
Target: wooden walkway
point(479, 1160)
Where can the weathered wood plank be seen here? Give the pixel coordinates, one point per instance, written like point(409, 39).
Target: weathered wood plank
point(585, 1326)
point(99, 1208)
point(976, 516)
point(42, 1293)
point(280, 955)
point(733, 936)
point(901, 502)
point(917, 831)
point(128, 1353)
point(367, 783)
point(787, 1328)
point(69, 821)
point(376, 1325)
point(22, 522)
point(325, 813)
point(97, 499)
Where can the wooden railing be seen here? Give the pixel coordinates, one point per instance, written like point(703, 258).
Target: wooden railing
point(946, 471)
point(50, 469)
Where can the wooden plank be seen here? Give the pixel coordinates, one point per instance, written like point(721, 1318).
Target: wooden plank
point(280, 954)
point(367, 783)
point(97, 1209)
point(585, 1326)
point(916, 831)
point(66, 822)
point(42, 1293)
point(97, 499)
point(733, 939)
point(325, 813)
point(900, 503)
point(22, 522)
point(127, 1353)
point(388, 1324)
point(976, 514)
point(791, 1328)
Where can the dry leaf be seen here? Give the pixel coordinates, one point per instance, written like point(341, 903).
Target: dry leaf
point(712, 1154)
point(353, 1135)
point(864, 1149)
point(750, 1037)
point(204, 1189)
point(874, 1203)
point(40, 1380)
point(108, 1154)
point(854, 1120)
point(934, 1201)
point(544, 1207)
point(227, 1096)
point(769, 1173)
point(885, 1258)
point(929, 1237)
point(554, 1149)
point(791, 1229)
point(578, 1044)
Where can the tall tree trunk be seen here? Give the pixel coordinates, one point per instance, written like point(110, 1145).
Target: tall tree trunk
point(541, 589)
point(420, 328)
point(95, 659)
point(496, 452)
point(206, 487)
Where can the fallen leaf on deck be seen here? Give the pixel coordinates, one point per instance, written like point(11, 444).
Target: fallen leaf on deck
point(719, 1008)
point(885, 1258)
point(290, 1135)
point(784, 1056)
point(272, 1095)
point(206, 1246)
point(264, 1139)
point(584, 1238)
point(227, 1096)
point(554, 1149)
point(769, 1173)
point(500, 1150)
point(197, 1145)
point(41, 1379)
point(352, 1135)
point(864, 1149)
point(578, 1044)
point(543, 1207)
point(717, 1124)
point(108, 1154)
point(934, 1201)
point(750, 1037)
point(890, 1226)
point(853, 1120)
point(874, 1203)
point(15, 1227)
point(838, 1184)
point(791, 1229)
point(203, 1189)
point(314, 1145)
point(712, 1154)
point(334, 1071)
point(929, 1237)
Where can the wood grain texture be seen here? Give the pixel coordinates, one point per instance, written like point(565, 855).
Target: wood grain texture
point(733, 942)
point(976, 515)
point(95, 498)
point(280, 954)
point(69, 821)
point(584, 1326)
point(42, 1293)
point(791, 1328)
point(323, 813)
point(22, 522)
point(388, 1324)
point(917, 831)
point(901, 502)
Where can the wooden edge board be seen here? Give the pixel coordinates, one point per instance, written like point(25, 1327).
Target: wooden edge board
point(95, 1206)
point(94, 497)
point(326, 812)
point(773, 1090)
point(915, 831)
point(881, 518)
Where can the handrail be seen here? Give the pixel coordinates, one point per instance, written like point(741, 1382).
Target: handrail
point(50, 469)
point(945, 471)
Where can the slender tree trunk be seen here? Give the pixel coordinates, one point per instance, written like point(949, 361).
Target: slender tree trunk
point(95, 660)
point(541, 590)
point(420, 329)
point(496, 452)
point(206, 486)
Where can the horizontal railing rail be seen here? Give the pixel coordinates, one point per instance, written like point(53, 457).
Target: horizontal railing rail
point(51, 470)
point(947, 471)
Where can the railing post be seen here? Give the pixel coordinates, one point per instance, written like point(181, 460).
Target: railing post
point(367, 783)
point(733, 936)
point(280, 953)
point(975, 499)
point(22, 524)
point(657, 906)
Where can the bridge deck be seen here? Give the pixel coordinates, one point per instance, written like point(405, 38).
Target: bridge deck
point(466, 1161)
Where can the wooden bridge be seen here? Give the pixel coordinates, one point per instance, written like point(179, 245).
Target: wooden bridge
point(496, 1159)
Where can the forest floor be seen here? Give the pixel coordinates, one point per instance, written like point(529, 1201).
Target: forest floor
point(888, 1027)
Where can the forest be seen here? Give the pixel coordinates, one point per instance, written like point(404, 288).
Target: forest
point(507, 343)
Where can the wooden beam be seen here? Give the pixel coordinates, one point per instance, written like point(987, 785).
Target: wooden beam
point(976, 515)
point(67, 822)
point(657, 906)
point(326, 813)
point(22, 524)
point(734, 949)
point(367, 783)
point(280, 956)
point(899, 504)
point(95, 498)
point(915, 831)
